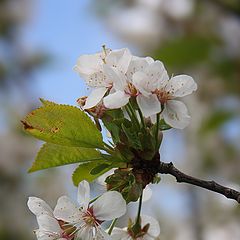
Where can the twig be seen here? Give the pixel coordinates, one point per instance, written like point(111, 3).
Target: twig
point(169, 168)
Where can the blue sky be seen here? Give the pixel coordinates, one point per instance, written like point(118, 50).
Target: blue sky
point(65, 30)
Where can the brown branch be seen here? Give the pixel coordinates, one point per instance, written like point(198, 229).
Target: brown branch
point(169, 168)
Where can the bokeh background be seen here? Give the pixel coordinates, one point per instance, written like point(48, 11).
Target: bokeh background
point(39, 44)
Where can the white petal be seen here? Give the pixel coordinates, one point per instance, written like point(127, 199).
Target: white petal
point(120, 234)
point(117, 78)
point(149, 105)
point(147, 194)
point(124, 61)
point(95, 97)
point(88, 64)
point(181, 85)
point(66, 210)
point(149, 60)
point(43, 235)
point(138, 64)
point(154, 229)
point(38, 207)
point(143, 83)
point(157, 74)
point(97, 79)
point(85, 232)
point(102, 235)
point(109, 206)
point(175, 114)
point(148, 237)
point(47, 223)
point(83, 194)
point(116, 100)
point(153, 118)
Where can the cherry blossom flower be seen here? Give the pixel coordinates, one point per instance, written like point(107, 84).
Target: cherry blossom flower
point(151, 233)
point(123, 87)
point(86, 218)
point(156, 90)
point(92, 69)
point(49, 227)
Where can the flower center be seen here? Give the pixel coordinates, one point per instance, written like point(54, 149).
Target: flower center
point(65, 235)
point(131, 90)
point(67, 230)
point(163, 96)
point(90, 219)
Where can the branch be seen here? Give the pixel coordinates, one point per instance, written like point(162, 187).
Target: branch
point(169, 168)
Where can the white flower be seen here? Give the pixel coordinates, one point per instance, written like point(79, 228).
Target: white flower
point(39, 207)
point(152, 233)
point(50, 229)
point(49, 226)
point(92, 69)
point(86, 218)
point(123, 87)
point(147, 192)
point(157, 89)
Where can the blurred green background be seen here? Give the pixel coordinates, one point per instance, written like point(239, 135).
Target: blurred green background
point(40, 42)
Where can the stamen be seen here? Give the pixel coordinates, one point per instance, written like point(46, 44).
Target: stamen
point(131, 90)
point(163, 95)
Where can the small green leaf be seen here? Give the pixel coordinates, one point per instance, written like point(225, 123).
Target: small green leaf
point(132, 192)
point(63, 125)
point(133, 138)
point(125, 183)
point(82, 172)
point(112, 120)
point(163, 125)
point(52, 155)
point(98, 169)
point(113, 129)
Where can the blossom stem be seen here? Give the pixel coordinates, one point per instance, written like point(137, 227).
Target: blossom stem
point(94, 199)
point(112, 226)
point(132, 114)
point(139, 210)
point(142, 119)
point(157, 130)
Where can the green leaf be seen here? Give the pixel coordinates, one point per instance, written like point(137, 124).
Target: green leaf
point(125, 183)
point(83, 172)
point(63, 125)
point(132, 192)
point(46, 102)
point(112, 120)
point(113, 129)
point(133, 137)
point(52, 155)
point(163, 125)
point(98, 169)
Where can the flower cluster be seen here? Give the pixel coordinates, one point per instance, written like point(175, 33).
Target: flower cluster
point(135, 100)
point(117, 76)
point(69, 221)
